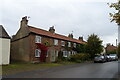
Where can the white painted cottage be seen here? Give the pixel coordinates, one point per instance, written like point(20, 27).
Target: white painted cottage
point(4, 47)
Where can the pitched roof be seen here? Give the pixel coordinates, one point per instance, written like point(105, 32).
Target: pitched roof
point(111, 48)
point(54, 35)
point(3, 33)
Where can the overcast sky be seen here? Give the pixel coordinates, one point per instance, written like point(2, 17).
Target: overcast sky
point(82, 17)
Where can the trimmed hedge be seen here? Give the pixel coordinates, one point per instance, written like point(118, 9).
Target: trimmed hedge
point(80, 57)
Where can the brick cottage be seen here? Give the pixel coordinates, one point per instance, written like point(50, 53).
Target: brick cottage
point(32, 44)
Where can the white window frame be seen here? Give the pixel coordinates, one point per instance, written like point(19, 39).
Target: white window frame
point(69, 44)
point(38, 39)
point(55, 42)
point(74, 44)
point(62, 43)
point(37, 52)
point(65, 54)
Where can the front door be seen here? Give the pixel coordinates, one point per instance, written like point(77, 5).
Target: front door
point(53, 56)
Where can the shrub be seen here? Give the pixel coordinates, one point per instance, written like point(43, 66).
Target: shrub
point(80, 57)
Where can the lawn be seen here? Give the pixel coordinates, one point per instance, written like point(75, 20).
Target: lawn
point(22, 67)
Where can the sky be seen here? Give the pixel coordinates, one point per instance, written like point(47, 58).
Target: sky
point(80, 17)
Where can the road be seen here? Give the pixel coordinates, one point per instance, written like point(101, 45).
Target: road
point(83, 70)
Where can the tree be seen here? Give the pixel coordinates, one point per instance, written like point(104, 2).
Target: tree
point(81, 48)
point(94, 45)
point(116, 16)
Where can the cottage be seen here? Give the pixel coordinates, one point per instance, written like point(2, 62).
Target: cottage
point(32, 44)
point(4, 47)
point(110, 48)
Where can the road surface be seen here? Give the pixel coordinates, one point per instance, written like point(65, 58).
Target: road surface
point(83, 70)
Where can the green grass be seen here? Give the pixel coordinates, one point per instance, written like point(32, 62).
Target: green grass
point(18, 67)
point(22, 67)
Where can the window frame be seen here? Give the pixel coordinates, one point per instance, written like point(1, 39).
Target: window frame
point(38, 55)
point(69, 44)
point(38, 39)
point(62, 43)
point(55, 42)
point(65, 54)
point(74, 45)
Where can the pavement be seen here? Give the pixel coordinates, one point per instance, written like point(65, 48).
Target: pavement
point(84, 70)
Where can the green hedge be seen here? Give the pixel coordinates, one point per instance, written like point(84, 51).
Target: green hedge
point(80, 57)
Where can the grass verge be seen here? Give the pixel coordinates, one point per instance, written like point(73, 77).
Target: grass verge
point(23, 67)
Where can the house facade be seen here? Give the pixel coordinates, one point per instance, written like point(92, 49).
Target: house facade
point(4, 47)
point(32, 44)
point(110, 48)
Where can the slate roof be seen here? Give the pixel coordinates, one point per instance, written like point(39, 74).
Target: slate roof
point(3, 33)
point(54, 35)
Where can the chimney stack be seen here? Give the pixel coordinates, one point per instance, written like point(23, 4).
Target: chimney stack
point(52, 30)
point(80, 38)
point(70, 35)
point(24, 22)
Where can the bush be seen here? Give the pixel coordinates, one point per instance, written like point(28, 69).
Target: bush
point(80, 57)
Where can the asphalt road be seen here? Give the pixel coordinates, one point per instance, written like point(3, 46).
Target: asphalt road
point(83, 70)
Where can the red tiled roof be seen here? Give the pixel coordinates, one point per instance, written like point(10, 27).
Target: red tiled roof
point(111, 48)
point(47, 33)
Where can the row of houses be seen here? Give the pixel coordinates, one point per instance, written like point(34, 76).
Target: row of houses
point(33, 45)
point(36, 45)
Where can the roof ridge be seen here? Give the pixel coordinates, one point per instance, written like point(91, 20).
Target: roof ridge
point(55, 35)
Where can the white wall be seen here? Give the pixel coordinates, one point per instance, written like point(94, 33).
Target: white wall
point(4, 51)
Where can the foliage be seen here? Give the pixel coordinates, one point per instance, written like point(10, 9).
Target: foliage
point(94, 45)
point(81, 48)
point(115, 16)
point(80, 57)
point(47, 43)
point(66, 46)
point(112, 52)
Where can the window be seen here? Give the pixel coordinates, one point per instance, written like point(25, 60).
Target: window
point(38, 39)
point(64, 53)
point(37, 52)
point(55, 42)
point(74, 45)
point(69, 44)
point(73, 52)
point(62, 43)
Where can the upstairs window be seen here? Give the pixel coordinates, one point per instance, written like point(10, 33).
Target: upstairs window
point(55, 42)
point(37, 52)
point(69, 44)
point(74, 45)
point(38, 39)
point(62, 43)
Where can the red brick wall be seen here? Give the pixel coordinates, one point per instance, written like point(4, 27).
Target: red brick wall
point(51, 47)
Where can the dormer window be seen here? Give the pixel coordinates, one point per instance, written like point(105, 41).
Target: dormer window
point(55, 42)
point(38, 39)
point(62, 43)
point(69, 44)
